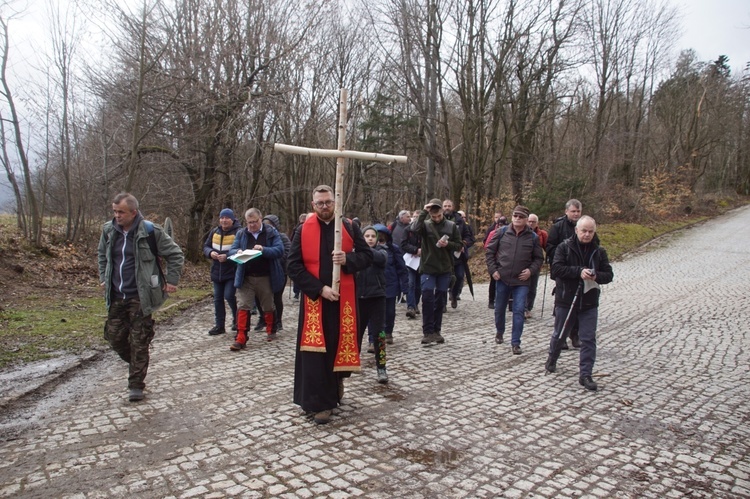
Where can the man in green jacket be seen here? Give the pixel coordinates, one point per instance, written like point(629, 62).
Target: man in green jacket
point(440, 238)
point(134, 285)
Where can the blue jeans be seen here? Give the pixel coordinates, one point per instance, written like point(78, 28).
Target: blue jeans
point(434, 291)
point(503, 292)
point(224, 291)
point(415, 290)
point(533, 284)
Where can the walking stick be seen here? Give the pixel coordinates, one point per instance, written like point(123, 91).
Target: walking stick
point(570, 312)
point(544, 293)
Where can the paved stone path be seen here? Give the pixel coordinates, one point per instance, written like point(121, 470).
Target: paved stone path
point(464, 419)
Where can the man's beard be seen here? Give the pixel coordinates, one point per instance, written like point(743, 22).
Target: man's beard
point(326, 216)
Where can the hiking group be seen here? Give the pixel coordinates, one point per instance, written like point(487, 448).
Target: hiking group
point(421, 259)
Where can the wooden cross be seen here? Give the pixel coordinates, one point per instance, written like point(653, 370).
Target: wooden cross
point(341, 155)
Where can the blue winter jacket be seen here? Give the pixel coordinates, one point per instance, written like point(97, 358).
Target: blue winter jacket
point(273, 251)
point(396, 276)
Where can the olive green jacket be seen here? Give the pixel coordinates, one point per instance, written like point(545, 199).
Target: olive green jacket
point(148, 280)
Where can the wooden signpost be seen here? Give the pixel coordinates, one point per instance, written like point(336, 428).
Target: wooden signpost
point(341, 155)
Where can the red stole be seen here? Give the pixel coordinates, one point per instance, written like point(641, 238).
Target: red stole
point(312, 338)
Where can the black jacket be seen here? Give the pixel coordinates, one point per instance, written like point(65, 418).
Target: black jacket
point(561, 229)
point(466, 233)
point(371, 281)
point(412, 242)
point(566, 271)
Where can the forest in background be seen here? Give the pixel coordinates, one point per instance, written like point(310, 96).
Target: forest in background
point(494, 102)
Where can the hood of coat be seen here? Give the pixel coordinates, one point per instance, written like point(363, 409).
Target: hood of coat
point(382, 229)
point(273, 219)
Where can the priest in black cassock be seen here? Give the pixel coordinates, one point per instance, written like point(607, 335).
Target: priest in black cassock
point(327, 347)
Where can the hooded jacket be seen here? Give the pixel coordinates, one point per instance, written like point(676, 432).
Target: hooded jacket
point(371, 280)
point(284, 239)
point(396, 277)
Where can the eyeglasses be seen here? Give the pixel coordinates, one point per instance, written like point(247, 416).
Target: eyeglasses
point(320, 204)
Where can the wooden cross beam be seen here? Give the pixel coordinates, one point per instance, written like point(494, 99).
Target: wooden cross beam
point(341, 155)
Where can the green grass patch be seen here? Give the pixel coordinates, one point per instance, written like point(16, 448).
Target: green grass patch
point(38, 332)
point(44, 330)
point(619, 238)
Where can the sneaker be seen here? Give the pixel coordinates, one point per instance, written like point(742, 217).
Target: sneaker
point(237, 346)
point(322, 417)
point(454, 301)
point(411, 313)
point(341, 388)
point(428, 338)
point(439, 339)
point(551, 365)
point(389, 339)
point(382, 375)
point(135, 394)
point(499, 339)
point(588, 383)
point(516, 349)
point(370, 348)
point(216, 330)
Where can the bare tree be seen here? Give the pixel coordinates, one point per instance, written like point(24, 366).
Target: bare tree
point(34, 231)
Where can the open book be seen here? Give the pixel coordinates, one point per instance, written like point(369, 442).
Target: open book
point(244, 256)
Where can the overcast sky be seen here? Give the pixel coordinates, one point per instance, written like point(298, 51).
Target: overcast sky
point(716, 27)
point(710, 27)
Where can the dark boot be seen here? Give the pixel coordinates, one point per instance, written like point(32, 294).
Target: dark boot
point(261, 323)
point(588, 383)
point(551, 365)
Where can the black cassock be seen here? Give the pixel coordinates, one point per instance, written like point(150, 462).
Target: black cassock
point(315, 382)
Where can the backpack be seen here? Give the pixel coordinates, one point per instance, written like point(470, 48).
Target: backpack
point(152, 246)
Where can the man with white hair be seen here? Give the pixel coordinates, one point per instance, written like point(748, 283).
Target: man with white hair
point(579, 267)
point(398, 228)
point(533, 283)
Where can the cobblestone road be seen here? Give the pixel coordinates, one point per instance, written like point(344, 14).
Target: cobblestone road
point(464, 419)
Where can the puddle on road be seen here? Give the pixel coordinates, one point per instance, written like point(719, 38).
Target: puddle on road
point(390, 393)
point(427, 456)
